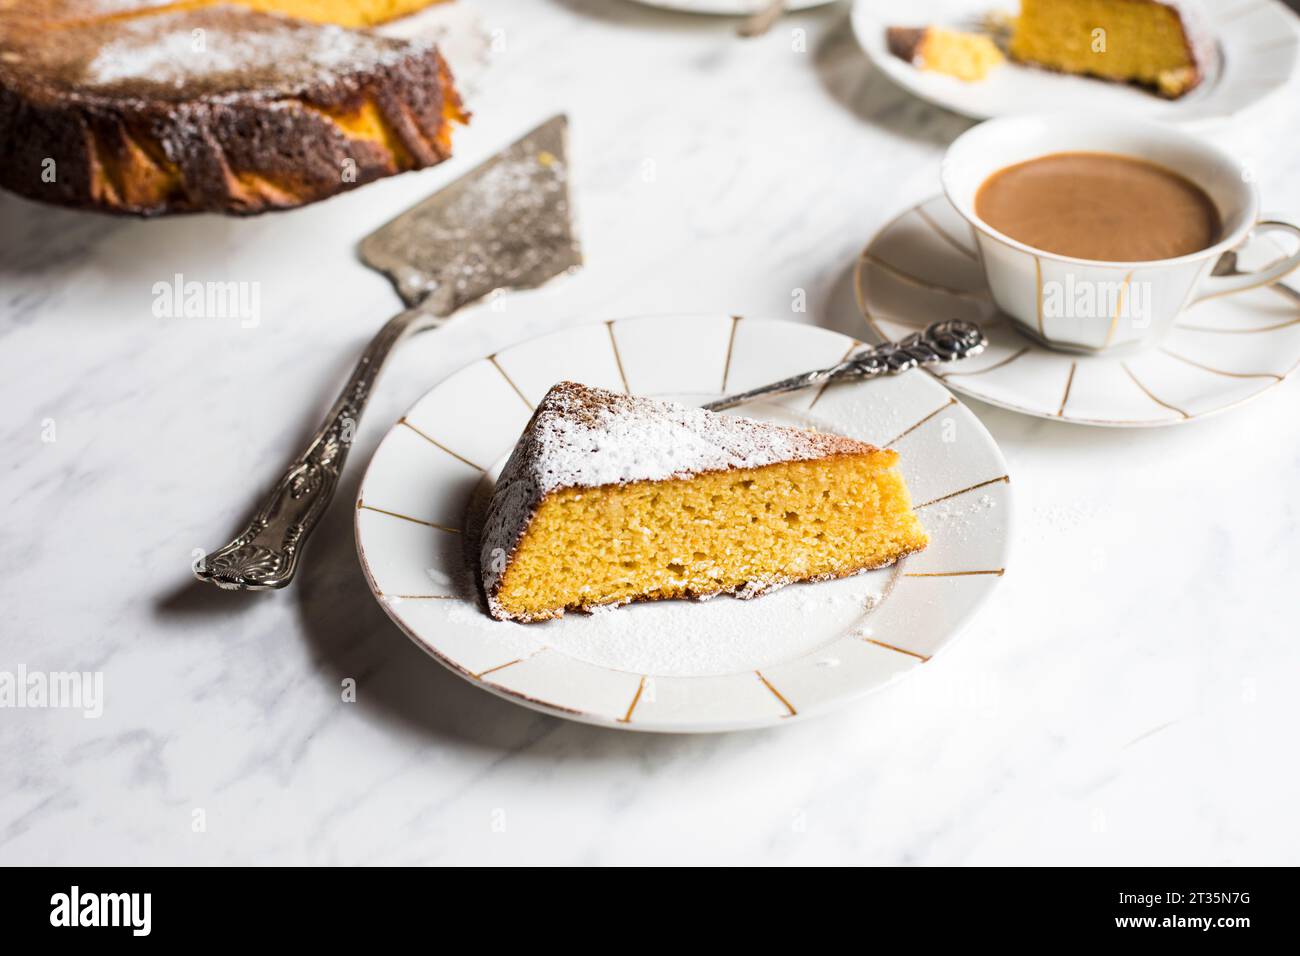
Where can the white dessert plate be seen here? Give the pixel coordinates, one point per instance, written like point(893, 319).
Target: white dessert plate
point(1256, 41)
point(1224, 351)
point(733, 8)
point(683, 666)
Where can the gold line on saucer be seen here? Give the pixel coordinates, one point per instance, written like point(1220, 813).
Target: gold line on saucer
point(1242, 11)
point(731, 343)
point(394, 514)
point(1146, 391)
point(901, 650)
point(1006, 361)
point(437, 444)
point(982, 484)
point(998, 319)
point(952, 574)
point(1284, 44)
point(1262, 328)
point(907, 277)
point(911, 428)
point(919, 327)
point(942, 234)
point(768, 684)
point(618, 359)
point(420, 597)
point(858, 295)
point(1069, 381)
point(1219, 371)
point(627, 718)
point(511, 382)
point(822, 388)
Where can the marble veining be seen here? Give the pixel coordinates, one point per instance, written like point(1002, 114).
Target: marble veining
point(1127, 698)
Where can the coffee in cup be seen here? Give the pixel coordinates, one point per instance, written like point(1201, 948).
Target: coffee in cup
point(1095, 233)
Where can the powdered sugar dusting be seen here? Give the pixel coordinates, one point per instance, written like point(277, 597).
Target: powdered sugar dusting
point(177, 50)
point(588, 437)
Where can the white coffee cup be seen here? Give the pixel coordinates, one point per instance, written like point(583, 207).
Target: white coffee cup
point(1132, 303)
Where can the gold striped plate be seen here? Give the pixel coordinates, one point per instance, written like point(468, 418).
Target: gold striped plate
point(1222, 352)
point(682, 666)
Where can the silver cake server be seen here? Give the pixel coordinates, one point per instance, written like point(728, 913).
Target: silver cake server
point(948, 341)
point(504, 225)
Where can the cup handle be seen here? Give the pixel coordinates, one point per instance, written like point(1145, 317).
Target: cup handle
point(1213, 286)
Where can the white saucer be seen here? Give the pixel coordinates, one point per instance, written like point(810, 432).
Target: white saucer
point(1222, 352)
point(1257, 46)
point(733, 8)
point(683, 666)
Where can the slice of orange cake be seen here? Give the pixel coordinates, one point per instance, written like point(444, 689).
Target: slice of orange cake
point(608, 499)
point(1161, 44)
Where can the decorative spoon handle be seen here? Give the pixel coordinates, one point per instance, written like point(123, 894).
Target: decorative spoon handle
point(266, 553)
point(941, 342)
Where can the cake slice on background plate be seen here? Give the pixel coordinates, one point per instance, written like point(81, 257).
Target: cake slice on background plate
point(608, 499)
point(967, 56)
point(1159, 44)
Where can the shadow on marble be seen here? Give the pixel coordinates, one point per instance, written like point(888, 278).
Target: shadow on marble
point(351, 636)
point(194, 599)
point(37, 238)
point(853, 82)
point(40, 243)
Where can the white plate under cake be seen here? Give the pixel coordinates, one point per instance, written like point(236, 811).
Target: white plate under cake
point(676, 665)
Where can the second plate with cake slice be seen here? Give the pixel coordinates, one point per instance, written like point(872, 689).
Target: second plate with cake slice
point(825, 487)
point(1200, 63)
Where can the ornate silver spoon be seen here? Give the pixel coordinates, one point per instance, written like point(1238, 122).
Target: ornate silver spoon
point(940, 342)
point(266, 555)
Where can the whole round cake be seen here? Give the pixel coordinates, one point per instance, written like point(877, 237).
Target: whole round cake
point(149, 107)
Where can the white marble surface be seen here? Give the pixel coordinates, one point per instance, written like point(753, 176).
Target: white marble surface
point(1128, 698)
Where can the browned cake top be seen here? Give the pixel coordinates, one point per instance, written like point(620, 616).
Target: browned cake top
point(186, 54)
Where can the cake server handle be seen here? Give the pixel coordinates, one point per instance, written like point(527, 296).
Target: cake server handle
point(266, 553)
point(947, 341)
